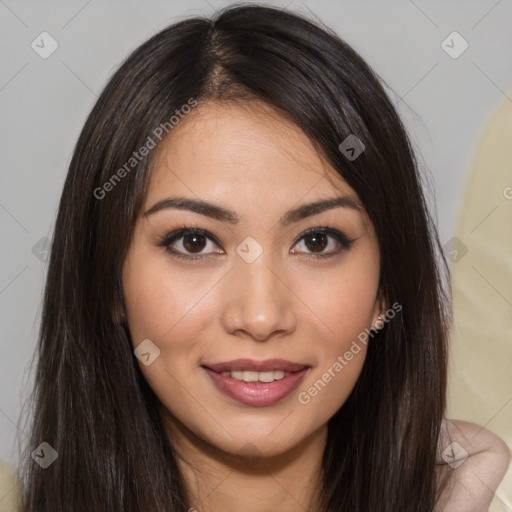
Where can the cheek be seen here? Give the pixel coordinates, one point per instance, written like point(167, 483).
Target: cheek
point(343, 307)
point(162, 304)
point(342, 303)
point(165, 307)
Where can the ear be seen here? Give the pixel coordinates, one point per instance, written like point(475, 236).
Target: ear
point(379, 311)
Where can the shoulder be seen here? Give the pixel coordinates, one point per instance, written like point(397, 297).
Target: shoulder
point(10, 489)
point(473, 461)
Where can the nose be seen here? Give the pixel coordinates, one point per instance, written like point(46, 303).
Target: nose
point(258, 301)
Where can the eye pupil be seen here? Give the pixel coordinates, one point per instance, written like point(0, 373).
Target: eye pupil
point(318, 241)
point(193, 242)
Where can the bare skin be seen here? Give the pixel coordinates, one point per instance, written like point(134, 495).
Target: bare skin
point(287, 303)
point(472, 480)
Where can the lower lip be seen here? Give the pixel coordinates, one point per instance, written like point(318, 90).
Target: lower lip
point(256, 393)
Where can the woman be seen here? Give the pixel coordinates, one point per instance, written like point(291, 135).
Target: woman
point(244, 307)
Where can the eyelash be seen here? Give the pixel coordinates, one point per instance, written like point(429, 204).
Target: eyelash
point(170, 238)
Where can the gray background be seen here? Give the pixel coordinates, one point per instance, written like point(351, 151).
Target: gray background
point(44, 102)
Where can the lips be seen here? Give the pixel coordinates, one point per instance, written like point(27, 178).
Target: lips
point(256, 383)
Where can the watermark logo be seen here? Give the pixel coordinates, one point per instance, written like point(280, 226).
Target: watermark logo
point(249, 250)
point(455, 250)
point(45, 455)
point(454, 45)
point(147, 352)
point(351, 147)
point(454, 455)
point(41, 249)
point(44, 45)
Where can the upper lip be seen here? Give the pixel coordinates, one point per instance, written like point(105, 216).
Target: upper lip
point(254, 365)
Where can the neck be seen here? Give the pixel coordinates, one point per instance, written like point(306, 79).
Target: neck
point(218, 480)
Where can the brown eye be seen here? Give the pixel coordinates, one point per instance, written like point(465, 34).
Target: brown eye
point(322, 242)
point(316, 242)
point(190, 243)
point(194, 243)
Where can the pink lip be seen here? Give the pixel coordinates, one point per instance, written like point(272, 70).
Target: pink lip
point(257, 394)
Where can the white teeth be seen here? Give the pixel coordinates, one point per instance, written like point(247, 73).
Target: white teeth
point(249, 376)
point(266, 376)
point(252, 376)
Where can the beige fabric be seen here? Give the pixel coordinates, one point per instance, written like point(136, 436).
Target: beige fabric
point(10, 489)
point(480, 382)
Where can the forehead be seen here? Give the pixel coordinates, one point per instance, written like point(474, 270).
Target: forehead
point(250, 152)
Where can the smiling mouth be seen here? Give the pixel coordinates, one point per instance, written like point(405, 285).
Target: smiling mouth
point(256, 371)
point(256, 383)
point(253, 376)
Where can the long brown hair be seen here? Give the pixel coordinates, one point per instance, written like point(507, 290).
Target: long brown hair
point(91, 402)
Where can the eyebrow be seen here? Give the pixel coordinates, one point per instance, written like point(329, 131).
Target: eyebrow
point(220, 213)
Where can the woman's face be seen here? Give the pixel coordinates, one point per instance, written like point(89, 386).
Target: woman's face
point(246, 282)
